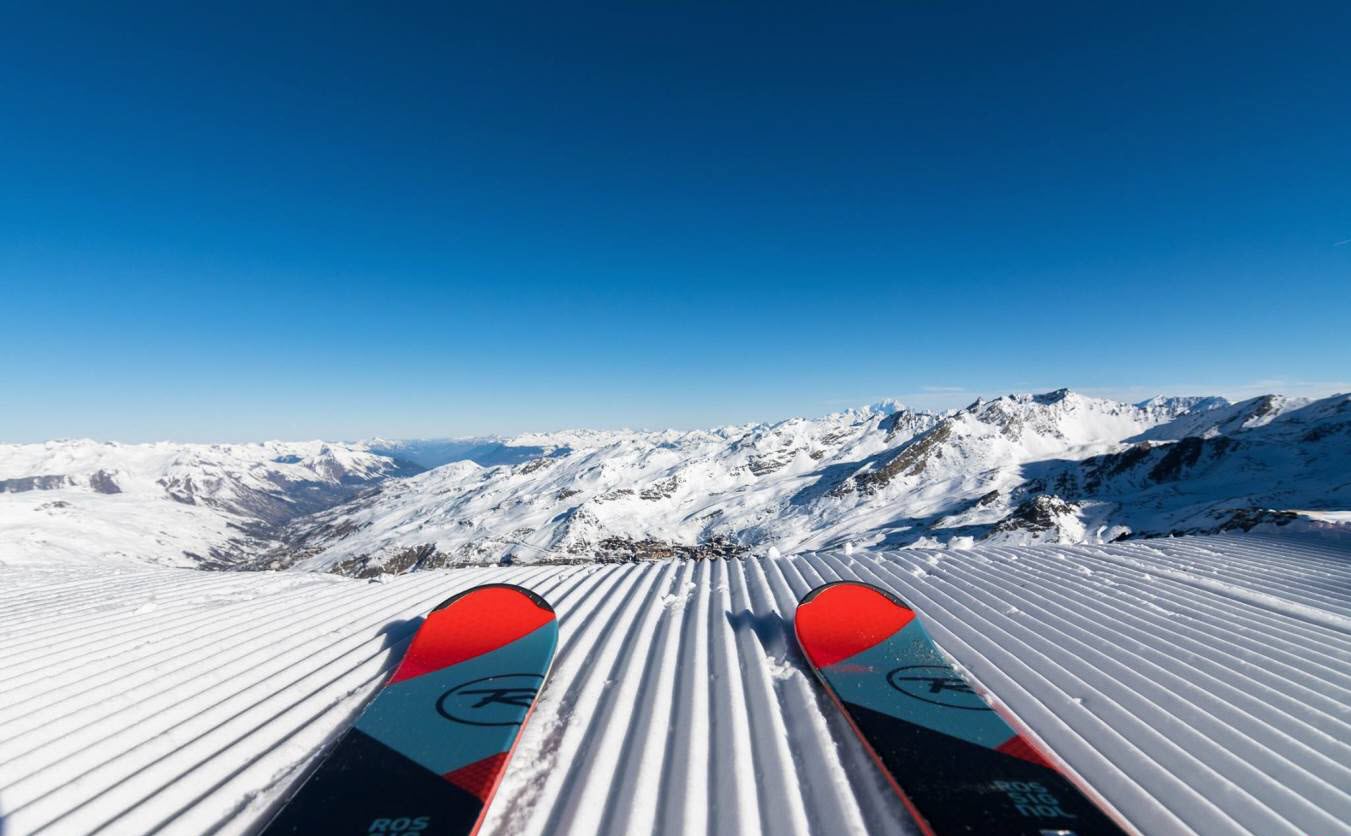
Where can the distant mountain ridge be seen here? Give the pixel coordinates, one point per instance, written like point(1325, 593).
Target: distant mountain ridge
point(1051, 467)
point(211, 505)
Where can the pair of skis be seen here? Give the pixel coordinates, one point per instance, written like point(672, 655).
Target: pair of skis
point(427, 754)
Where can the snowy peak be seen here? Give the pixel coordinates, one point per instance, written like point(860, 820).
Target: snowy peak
point(999, 433)
point(1027, 468)
point(1171, 407)
point(1020, 468)
point(1223, 418)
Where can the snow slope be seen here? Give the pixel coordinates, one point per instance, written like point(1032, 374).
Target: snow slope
point(174, 504)
point(1057, 467)
point(1200, 685)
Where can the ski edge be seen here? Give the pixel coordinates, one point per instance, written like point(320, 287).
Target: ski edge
point(910, 807)
point(1012, 720)
point(296, 784)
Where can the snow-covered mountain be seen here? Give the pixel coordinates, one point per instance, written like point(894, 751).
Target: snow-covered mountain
point(174, 504)
point(1057, 467)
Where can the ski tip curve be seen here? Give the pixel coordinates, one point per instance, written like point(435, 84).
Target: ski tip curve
point(891, 596)
point(534, 597)
point(839, 620)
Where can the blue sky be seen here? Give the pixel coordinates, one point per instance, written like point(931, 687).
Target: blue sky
point(250, 223)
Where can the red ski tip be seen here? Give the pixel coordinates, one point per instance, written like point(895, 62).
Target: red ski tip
point(838, 620)
point(470, 624)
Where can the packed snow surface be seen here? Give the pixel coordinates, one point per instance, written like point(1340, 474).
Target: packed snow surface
point(1195, 685)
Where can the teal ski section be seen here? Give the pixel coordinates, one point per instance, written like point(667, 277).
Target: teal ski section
point(406, 717)
point(897, 677)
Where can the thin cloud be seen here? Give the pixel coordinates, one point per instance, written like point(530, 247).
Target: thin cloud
point(1342, 243)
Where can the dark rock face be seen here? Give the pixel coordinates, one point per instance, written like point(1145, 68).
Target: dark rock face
point(1241, 519)
point(535, 464)
point(660, 490)
point(765, 465)
point(625, 550)
point(1183, 455)
point(1037, 514)
point(910, 461)
point(1129, 459)
point(1324, 431)
point(103, 482)
point(411, 559)
point(34, 483)
point(1245, 519)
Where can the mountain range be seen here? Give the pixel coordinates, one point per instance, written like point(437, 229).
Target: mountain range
point(1058, 467)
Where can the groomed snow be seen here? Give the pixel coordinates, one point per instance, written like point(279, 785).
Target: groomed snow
point(1200, 685)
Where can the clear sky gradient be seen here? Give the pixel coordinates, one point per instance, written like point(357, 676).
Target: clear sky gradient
point(260, 221)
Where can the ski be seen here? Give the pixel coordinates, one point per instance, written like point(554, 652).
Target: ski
point(427, 754)
point(954, 762)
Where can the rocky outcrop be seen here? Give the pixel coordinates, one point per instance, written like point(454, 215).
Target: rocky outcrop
point(624, 549)
point(664, 489)
point(1042, 513)
point(104, 482)
point(411, 559)
point(911, 461)
point(22, 484)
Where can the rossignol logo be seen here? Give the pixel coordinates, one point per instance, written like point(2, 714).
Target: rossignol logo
point(500, 700)
point(402, 824)
point(1031, 798)
point(938, 685)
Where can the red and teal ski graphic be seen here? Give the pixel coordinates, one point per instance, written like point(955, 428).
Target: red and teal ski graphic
point(956, 765)
point(428, 753)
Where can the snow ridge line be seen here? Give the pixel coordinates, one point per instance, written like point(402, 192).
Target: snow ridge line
point(817, 776)
point(1235, 759)
point(538, 750)
point(679, 702)
point(600, 644)
point(425, 594)
point(688, 811)
point(1033, 682)
point(546, 584)
point(596, 740)
point(762, 636)
point(1288, 552)
point(164, 629)
point(632, 803)
point(73, 621)
point(1317, 608)
point(319, 613)
point(27, 608)
point(996, 603)
point(179, 724)
point(1279, 630)
point(1226, 659)
point(1276, 574)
